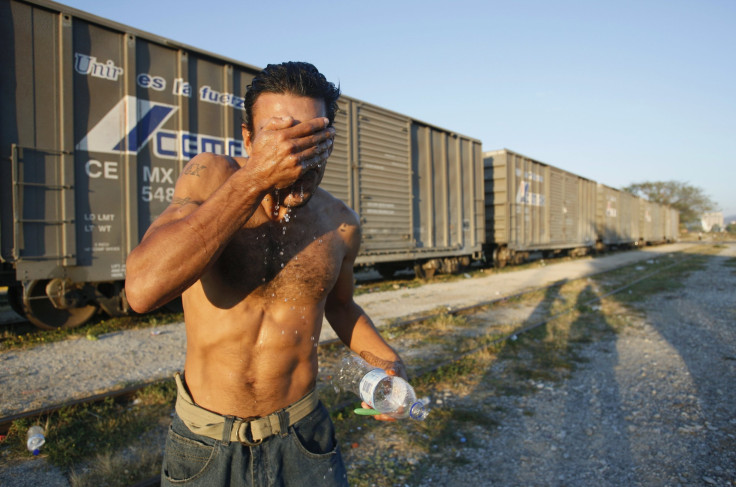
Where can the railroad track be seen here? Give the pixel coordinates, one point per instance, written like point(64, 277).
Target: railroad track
point(5, 422)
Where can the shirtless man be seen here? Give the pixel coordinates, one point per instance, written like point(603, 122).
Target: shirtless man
point(259, 254)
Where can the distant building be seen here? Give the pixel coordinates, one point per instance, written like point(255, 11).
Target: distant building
point(709, 220)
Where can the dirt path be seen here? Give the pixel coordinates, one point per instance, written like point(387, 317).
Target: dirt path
point(652, 404)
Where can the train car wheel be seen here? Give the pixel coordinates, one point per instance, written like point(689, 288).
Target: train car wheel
point(501, 257)
point(40, 310)
point(424, 272)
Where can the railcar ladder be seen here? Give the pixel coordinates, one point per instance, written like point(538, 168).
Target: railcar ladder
point(43, 206)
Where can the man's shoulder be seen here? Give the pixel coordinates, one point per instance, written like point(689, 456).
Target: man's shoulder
point(206, 172)
point(337, 208)
point(209, 164)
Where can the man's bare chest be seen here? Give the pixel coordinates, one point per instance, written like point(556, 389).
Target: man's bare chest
point(281, 262)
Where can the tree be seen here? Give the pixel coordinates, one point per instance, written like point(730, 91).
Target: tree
point(731, 228)
point(689, 200)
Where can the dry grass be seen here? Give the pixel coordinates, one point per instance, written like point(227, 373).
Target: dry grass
point(119, 469)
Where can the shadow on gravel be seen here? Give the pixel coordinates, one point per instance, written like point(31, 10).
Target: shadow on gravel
point(593, 412)
point(697, 321)
point(575, 436)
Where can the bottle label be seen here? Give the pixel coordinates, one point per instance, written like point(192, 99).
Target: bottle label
point(368, 384)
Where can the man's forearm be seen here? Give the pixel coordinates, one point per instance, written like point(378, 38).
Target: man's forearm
point(356, 330)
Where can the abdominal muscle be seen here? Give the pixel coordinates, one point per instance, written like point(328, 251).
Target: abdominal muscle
point(253, 359)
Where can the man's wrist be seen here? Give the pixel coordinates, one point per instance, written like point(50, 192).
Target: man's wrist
point(247, 179)
point(393, 364)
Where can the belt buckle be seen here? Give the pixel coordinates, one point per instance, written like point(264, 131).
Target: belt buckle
point(243, 429)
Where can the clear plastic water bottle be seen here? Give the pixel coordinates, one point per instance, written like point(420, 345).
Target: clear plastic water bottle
point(385, 393)
point(35, 439)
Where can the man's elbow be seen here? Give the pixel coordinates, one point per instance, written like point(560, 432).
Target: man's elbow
point(139, 289)
point(340, 313)
point(137, 300)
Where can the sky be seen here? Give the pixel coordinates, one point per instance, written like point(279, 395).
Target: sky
point(619, 92)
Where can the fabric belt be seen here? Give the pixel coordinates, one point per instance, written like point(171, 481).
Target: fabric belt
point(213, 425)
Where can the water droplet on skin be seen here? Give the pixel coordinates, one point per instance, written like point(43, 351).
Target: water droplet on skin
point(296, 332)
point(286, 299)
point(312, 337)
point(320, 240)
point(282, 332)
point(273, 295)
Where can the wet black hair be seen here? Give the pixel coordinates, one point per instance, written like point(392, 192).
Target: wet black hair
point(294, 78)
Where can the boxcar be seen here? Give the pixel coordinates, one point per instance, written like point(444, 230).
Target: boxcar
point(672, 225)
point(417, 188)
point(532, 206)
point(652, 222)
point(617, 218)
point(98, 119)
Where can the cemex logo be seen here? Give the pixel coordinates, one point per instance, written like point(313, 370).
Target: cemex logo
point(132, 124)
point(525, 196)
point(136, 119)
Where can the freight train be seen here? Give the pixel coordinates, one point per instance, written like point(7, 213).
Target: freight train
point(534, 207)
point(98, 120)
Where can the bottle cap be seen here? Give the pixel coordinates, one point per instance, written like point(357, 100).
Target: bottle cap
point(418, 411)
point(36, 451)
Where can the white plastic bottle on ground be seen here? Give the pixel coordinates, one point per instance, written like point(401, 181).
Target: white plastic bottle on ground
point(385, 393)
point(35, 439)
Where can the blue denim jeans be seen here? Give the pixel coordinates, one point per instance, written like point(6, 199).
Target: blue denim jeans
point(307, 455)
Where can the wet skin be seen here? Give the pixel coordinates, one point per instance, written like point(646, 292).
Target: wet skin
point(255, 287)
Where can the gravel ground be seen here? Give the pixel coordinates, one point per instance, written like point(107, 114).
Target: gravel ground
point(654, 406)
point(75, 369)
